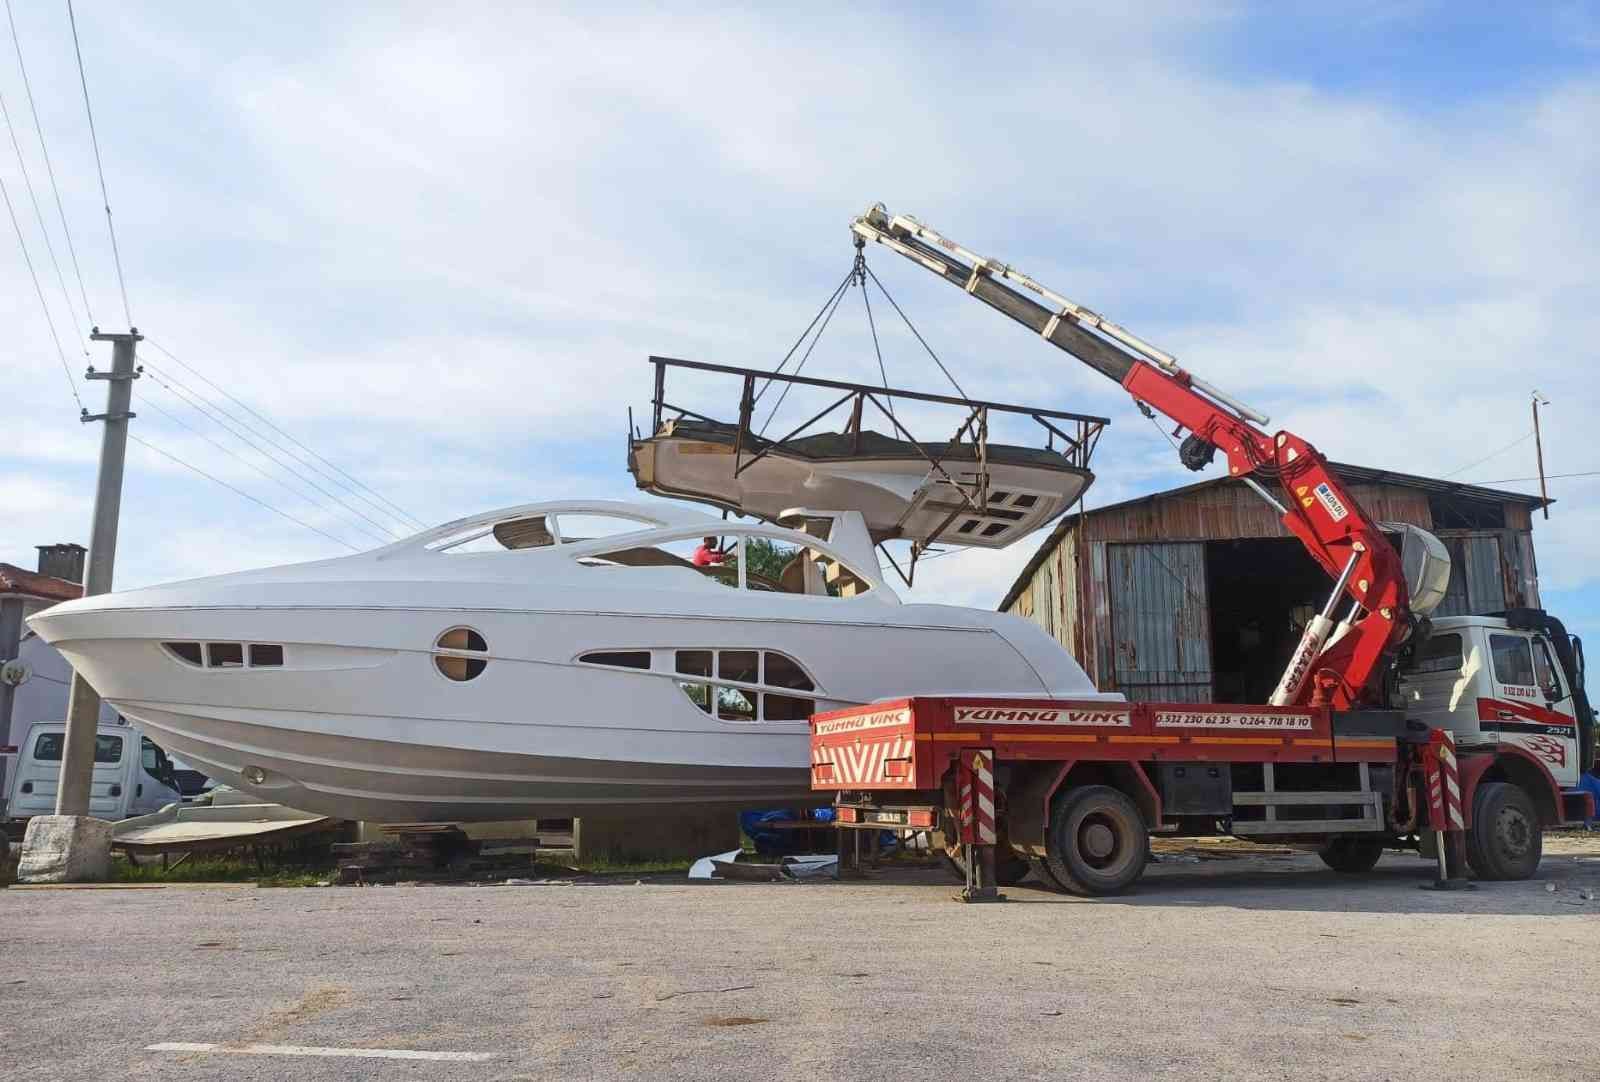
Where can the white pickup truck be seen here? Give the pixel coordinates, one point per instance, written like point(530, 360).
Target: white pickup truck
point(132, 775)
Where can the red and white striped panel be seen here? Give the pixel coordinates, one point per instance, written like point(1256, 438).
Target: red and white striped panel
point(861, 764)
point(975, 785)
point(1451, 776)
point(1444, 782)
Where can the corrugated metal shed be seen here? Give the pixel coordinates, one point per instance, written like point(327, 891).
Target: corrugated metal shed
point(1124, 587)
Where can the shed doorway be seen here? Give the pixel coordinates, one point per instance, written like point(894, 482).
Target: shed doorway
point(1263, 591)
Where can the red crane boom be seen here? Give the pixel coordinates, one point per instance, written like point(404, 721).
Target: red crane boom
point(1336, 665)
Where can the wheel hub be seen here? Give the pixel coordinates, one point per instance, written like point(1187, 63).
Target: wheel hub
point(1098, 841)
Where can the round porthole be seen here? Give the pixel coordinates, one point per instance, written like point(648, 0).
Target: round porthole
point(458, 654)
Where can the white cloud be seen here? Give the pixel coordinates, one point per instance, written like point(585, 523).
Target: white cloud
point(438, 246)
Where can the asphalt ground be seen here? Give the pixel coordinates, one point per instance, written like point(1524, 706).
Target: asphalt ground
point(1267, 966)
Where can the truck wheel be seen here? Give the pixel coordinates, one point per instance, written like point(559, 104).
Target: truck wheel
point(1506, 839)
point(1097, 842)
point(1042, 875)
point(1351, 855)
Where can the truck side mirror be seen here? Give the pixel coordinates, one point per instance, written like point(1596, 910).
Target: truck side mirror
point(1577, 654)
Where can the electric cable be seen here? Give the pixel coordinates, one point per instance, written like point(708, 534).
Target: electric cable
point(38, 214)
point(39, 291)
point(235, 455)
point(83, 80)
point(49, 168)
point(184, 392)
point(240, 491)
point(398, 512)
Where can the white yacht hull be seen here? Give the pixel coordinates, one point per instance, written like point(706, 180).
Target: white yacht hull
point(356, 718)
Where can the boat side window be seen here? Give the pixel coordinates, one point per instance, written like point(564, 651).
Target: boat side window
point(1441, 653)
point(622, 659)
point(1513, 660)
point(188, 652)
point(224, 655)
point(731, 684)
point(456, 654)
point(265, 655)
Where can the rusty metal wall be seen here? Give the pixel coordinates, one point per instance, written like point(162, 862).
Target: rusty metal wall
point(1160, 621)
point(1228, 512)
point(1490, 570)
point(1070, 594)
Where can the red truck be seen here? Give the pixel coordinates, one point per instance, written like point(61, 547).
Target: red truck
point(1462, 737)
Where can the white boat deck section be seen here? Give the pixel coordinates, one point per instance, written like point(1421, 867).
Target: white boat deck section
point(232, 816)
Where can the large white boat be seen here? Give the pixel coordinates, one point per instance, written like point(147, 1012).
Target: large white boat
point(540, 660)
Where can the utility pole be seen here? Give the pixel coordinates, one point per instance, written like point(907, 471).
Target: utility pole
point(83, 703)
point(1538, 447)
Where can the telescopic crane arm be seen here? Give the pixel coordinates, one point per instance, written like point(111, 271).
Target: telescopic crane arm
point(1337, 666)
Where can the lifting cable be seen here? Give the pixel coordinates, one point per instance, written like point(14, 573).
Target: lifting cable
point(858, 274)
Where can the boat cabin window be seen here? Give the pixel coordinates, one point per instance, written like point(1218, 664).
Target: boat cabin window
point(48, 748)
point(455, 654)
point(265, 655)
point(185, 651)
point(224, 655)
point(706, 677)
point(622, 659)
point(1513, 660)
point(1441, 653)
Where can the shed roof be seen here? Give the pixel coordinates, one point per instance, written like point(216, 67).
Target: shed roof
point(17, 580)
point(1344, 471)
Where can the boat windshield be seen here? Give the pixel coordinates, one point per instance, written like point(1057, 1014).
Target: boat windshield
point(759, 563)
point(538, 531)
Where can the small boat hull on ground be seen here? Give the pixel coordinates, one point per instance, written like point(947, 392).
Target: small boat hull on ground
point(232, 819)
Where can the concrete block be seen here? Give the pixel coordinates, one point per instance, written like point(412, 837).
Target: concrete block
point(65, 849)
point(655, 835)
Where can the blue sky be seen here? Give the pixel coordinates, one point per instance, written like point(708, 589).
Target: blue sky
point(438, 246)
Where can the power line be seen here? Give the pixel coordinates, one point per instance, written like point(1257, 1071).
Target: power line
point(38, 214)
point(190, 395)
point(88, 111)
point(38, 129)
point(1547, 477)
point(1524, 438)
point(26, 258)
point(403, 515)
point(184, 392)
point(229, 452)
point(240, 491)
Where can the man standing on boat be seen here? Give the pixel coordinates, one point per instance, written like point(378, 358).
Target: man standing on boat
point(708, 554)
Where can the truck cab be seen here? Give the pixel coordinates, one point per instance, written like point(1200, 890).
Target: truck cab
point(132, 774)
point(1513, 679)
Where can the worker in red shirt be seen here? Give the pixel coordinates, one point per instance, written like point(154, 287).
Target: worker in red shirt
point(708, 555)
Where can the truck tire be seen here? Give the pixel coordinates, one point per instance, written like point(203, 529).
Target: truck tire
point(1351, 856)
point(1097, 842)
point(1042, 875)
point(1506, 839)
